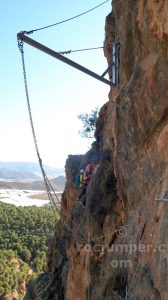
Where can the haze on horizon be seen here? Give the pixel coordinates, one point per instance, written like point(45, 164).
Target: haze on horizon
point(58, 93)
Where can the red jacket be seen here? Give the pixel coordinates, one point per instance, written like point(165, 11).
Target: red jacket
point(87, 176)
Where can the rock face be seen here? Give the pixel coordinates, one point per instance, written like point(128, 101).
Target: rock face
point(117, 243)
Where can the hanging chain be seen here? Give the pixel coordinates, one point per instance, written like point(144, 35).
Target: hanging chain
point(20, 45)
point(46, 180)
point(49, 188)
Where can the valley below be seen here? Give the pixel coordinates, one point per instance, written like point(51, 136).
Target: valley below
point(25, 197)
point(20, 185)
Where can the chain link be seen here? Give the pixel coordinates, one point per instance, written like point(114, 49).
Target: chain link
point(49, 188)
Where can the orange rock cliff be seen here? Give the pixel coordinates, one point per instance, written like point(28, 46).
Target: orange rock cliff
point(116, 245)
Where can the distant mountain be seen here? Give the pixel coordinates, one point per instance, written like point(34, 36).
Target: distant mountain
point(17, 175)
point(26, 171)
point(57, 183)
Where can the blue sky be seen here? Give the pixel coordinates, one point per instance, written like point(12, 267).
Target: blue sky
point(58, 93)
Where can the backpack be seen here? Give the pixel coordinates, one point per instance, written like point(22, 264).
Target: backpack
point(79, 180)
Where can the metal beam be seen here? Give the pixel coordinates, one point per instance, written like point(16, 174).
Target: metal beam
point(60, 57)
point(109, 66)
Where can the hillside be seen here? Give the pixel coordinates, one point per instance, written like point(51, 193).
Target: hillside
point(25, 233)
point(58, 184)
point(26, 171)
point(14, 274)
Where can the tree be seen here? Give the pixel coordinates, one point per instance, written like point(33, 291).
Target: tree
point(25, 254)
point(89, 123)
point(24, 236)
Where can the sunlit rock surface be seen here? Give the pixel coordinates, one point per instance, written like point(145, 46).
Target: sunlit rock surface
point(117, 243)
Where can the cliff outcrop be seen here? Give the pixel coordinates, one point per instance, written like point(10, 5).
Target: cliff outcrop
point(116, 245)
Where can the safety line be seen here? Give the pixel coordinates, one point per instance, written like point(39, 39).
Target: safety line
point(79, 50)
point(66, 20)
point(133, 277)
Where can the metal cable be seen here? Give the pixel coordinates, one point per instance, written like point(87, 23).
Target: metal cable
point(79, 50)
point(66, 20)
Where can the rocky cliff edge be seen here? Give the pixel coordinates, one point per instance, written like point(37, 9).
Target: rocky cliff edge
point(116, 245)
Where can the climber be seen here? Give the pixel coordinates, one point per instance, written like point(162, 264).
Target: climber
point(88, 173)
point(86, 180)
